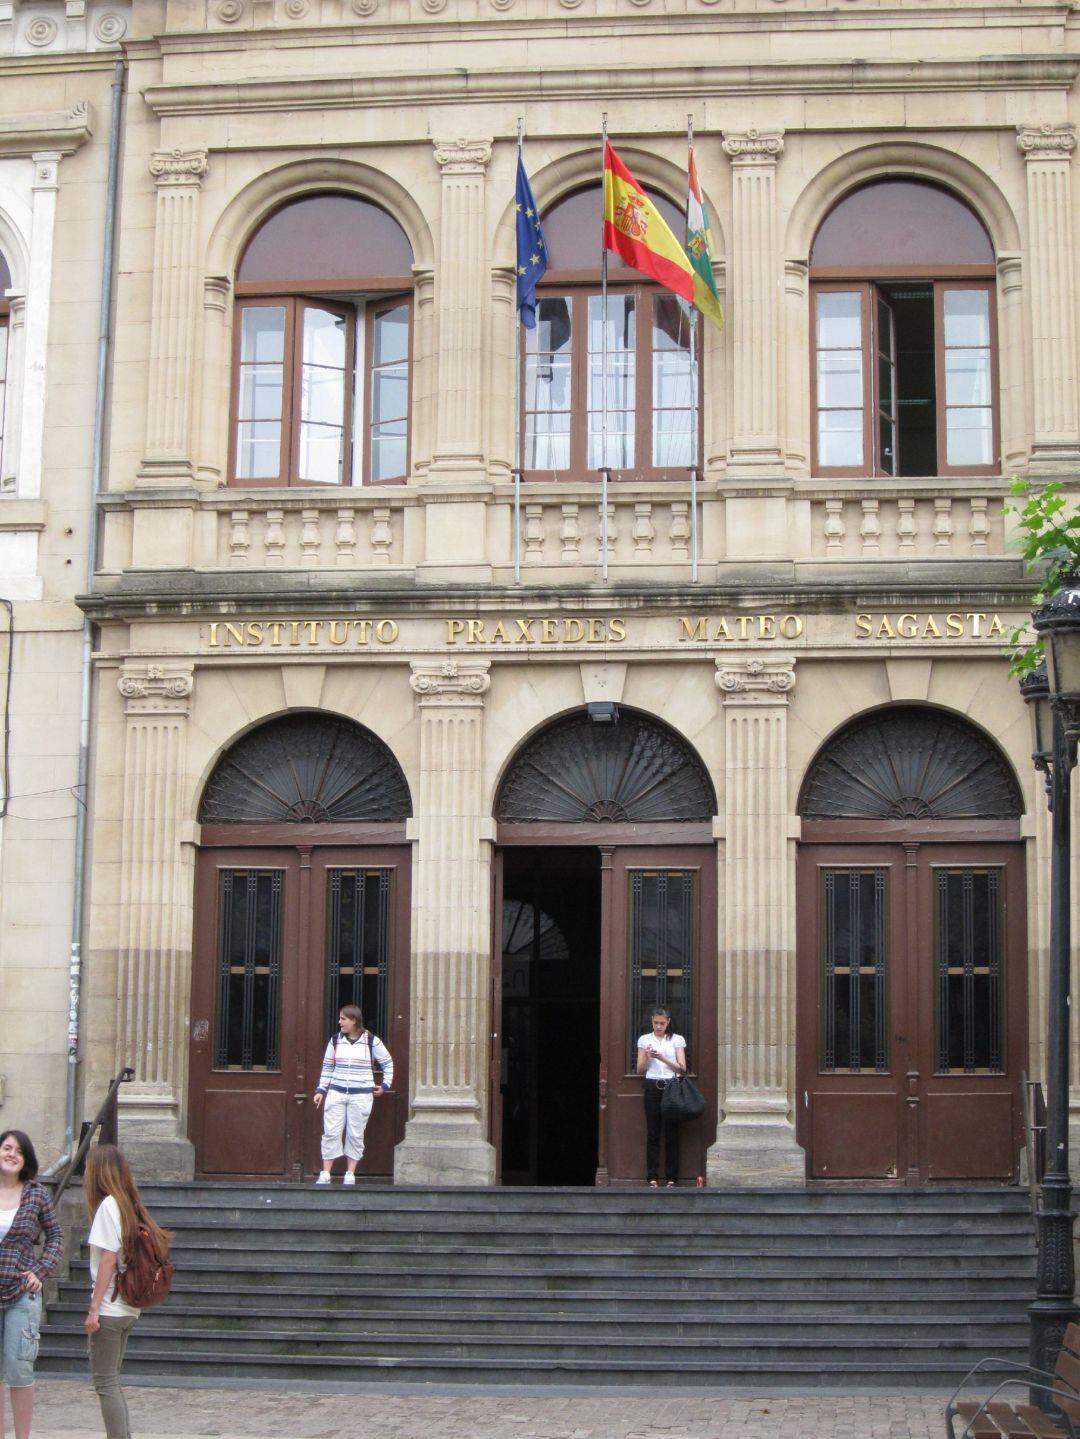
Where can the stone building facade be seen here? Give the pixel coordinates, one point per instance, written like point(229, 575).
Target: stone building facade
point(372, 720)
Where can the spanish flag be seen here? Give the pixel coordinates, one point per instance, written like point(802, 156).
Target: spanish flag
point(637, 232)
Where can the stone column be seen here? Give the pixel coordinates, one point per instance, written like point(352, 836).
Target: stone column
point(756, 274)
point(154, 942)
point(36, 324)
point(1014, 419)
point(12, 416)
point(797, 347)
point(1047, 150)
point(755, 1142)
point(170, 394)
point(216, 381)
point(446, 1137)
point(462, 299)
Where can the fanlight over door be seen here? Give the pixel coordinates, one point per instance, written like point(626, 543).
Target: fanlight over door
point(302, 904)
point(912, 948)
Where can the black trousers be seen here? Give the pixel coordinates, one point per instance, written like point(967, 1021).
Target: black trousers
point(654, 1124)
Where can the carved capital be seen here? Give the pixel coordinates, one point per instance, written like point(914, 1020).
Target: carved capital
point(756, 678)
point(179, 167)
point(462, 157)
point(47, 169)
point(1046, 142)
point(754, 147)
point(450, 682)
point(156, 688)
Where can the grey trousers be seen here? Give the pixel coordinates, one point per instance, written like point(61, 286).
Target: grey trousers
point(107, 1347)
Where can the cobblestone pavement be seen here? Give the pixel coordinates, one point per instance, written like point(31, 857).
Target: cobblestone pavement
point(67, 1409)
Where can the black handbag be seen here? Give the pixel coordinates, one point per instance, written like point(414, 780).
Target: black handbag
point(681, 1100)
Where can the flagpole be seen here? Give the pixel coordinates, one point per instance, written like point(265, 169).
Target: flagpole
point(604, 475)
point(519, 438)
point(694, 389)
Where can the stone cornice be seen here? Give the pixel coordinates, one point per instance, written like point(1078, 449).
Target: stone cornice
point(60, 131)
point(705, 81)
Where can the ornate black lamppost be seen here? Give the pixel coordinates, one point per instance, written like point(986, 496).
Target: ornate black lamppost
point(1053, 696)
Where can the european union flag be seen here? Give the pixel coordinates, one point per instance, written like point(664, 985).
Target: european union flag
point(531, 250)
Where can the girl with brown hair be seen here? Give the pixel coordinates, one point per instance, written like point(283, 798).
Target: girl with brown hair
point(116, 1215)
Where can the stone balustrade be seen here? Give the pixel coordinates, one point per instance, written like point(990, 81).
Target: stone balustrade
point(559, 527)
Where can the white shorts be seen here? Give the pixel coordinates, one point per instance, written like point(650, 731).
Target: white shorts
point(344, 1115)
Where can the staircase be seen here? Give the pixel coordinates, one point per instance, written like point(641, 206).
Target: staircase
point(899, 1289)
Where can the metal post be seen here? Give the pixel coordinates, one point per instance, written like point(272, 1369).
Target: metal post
point(1054, 1309)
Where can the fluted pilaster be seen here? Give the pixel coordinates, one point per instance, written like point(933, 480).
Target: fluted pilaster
point(756, 1141)
point(216, 379)
point(461, 303)
point(755, 279)
point(1014, 423)
point(170, 395)
point(154, 960)
point(1048, 151)
point(445, 1139)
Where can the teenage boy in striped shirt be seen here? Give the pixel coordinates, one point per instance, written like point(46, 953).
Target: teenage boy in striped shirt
point(347, 1084)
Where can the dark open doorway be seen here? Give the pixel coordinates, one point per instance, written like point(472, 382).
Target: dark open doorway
point(551, 1015)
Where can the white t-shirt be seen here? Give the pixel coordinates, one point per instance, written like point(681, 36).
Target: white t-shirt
point(7, 1219)
point(105, 1234)
point(667, 1047)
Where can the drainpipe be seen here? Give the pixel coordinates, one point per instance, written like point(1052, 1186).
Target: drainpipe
point(97, 465)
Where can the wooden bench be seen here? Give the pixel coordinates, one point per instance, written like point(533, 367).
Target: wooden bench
point(997, 1417)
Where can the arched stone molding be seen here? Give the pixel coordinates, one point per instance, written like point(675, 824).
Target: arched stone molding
point(895, 160)
point(230, 232)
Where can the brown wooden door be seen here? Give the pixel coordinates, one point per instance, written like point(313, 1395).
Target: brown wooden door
point(284, 935)
point(912, 1010)
point(658, 946)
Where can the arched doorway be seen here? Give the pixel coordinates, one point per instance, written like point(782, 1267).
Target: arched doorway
point(605, 905)
point(301, 905)
point(912, 947)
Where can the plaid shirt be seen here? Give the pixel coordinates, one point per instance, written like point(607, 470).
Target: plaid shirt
point(34, 1217)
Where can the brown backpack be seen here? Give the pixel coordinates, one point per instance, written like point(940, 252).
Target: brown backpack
point(148, 1277)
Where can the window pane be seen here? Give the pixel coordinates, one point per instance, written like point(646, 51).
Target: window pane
point(547, 385)
point(839, 319)
point(321, 453)
point(389, 395)
point(853, 971)
point(661, 952)
point(839, 378)
point(388, 451)
point(967, 317)
point(968, 963)
point(324, 338)
point(674, 400)
point(391, 340)
point(840, 437)
point(618, 387)
point(967, 377)
point(248, 970)
point(323, 395)
point(258, 450)
point(262, 335)
point(358, 944)
point(970, 437)
point(260, 392)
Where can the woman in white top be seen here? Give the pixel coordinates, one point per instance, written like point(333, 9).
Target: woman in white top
point(660, 1055)
point(116, 1214)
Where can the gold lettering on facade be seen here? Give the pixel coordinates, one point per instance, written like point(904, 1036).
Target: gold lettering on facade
point(971, 625)
point(739, 628)
point(299, 634)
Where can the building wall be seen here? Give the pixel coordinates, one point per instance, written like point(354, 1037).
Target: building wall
point(235, 107)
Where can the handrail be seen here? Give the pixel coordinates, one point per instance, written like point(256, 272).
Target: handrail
point(1031, 1097)
point(106, 1121)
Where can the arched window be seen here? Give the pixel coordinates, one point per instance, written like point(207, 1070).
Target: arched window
point(653, 382)
point(904, 366)
point(910, 763)
point(576, 771)
point(306, 769)
point(5, 285)
point(322, 347)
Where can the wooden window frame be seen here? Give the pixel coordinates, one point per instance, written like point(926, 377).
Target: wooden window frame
point(357, 448)
point(834, 279)
point(580, 288)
